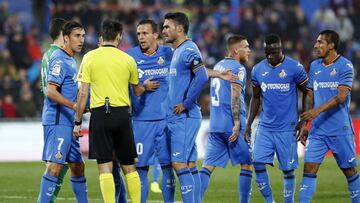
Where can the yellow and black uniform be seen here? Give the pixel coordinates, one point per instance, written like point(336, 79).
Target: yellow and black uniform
point(109, 71)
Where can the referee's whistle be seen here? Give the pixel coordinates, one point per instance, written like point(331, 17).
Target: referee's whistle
point(107, 106)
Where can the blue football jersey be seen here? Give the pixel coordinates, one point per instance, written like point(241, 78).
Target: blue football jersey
point(324, 81)
point(186, 59)
point(62, 72)
point(221, 119)
point(151, 105)
point(279, 93)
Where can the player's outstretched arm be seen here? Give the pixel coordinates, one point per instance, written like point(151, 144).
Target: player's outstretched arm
point(253, 111)
point(225, 75)
point(235, 110)
point(54, 94)
point(331, 103)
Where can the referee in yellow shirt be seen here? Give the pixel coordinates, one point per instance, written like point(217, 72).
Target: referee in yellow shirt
point(108, 71)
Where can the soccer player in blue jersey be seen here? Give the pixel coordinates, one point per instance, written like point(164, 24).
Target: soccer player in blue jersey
point(330, 82)
point(228, 120)
point(55, 32)
point(60, 146)
point(149, 109)
point(187, 77)
point(275, 80)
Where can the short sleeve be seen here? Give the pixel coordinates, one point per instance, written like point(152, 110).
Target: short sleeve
point(240, 71)
point(57, 71)
point(192, 59)
point(346, 75)
point(311, 76)
point(300, 74)
point(84, 71)
point(134, 75)
point(254, 79)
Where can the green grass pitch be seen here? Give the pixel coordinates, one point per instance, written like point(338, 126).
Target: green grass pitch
point(19, 182)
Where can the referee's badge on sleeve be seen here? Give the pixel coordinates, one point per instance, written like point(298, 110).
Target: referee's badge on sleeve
point(56, 69)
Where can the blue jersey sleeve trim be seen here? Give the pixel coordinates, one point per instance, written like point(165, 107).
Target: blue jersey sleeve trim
point(304, 81)
point(346, 86)
point(54, 83)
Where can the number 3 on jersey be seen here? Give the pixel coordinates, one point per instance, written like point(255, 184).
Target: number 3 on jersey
point(215, 87)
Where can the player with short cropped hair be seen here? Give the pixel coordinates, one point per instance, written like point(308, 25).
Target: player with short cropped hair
point(58, 117)
point(187, 75)
point(228, 120)
point(275, 81)
point(329, 93)
point(149, 109)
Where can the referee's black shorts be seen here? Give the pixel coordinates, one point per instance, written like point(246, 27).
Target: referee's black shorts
point(111, 134)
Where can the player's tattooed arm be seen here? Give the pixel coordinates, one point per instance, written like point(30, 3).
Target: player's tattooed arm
point(235, 110)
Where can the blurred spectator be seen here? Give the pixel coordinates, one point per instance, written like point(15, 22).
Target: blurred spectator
point(26, 107)
point(8, 107)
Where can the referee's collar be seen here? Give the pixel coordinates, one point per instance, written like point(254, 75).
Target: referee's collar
point(109, 45)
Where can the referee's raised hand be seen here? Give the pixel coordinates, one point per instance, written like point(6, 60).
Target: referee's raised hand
point(150, 84)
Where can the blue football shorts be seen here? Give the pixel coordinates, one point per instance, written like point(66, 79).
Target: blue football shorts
point(60, 146)
point(342, 146)
point(182, 133)
point(220, 150)
point(283, 143)
point(151, 140)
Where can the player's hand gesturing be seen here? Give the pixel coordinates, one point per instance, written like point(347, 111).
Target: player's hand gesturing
point(151, 85)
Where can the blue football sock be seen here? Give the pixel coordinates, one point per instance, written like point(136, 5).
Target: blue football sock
point(47, 188)
point(245, 185)
point(120, 189)
point(263, 183)
point(79, 187)
point(205, 179)
point(307, 187)
point(195, 173)
point(168, 184)
point(143, 173)
point(289, 186)
point(156, 169)
point(354, 187)
point(186, 185)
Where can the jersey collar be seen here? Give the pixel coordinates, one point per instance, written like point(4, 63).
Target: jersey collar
point(332, 62)
point(183, 43)
point(280, 62)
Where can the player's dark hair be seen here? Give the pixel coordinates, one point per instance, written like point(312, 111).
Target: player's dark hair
point(152, 23)
point(272, 38)
point(110, 29)
point(331, 37)
point(69, 26)
point(234, 39)
point(179, 18)
point(55, 28)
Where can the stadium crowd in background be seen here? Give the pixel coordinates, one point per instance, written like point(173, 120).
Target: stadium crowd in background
point(21, 47)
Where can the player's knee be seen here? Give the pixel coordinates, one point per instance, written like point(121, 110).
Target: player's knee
point(77, 169)
point(178, 165)
point(246, 167)
point(348, 172)
point(128, 168)
point(53, 169)
point(311, 168)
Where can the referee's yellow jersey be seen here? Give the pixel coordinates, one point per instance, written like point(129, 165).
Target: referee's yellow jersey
point(109, 71)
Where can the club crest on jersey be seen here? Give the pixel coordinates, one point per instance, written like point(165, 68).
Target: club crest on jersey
point(160, 60)
point(58, 155)
point(241, 75)
point(56, 69)
point(282, 74)
point(333, 72)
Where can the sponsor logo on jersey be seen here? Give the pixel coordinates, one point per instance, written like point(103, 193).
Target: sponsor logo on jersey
point(265, 73)
point(323, 85)
point(153, 72)
point(283, 87)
